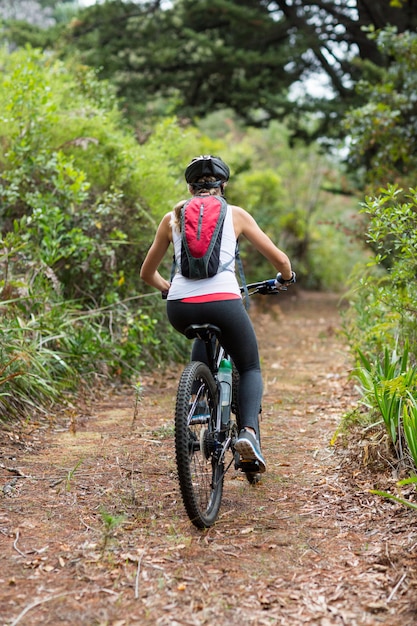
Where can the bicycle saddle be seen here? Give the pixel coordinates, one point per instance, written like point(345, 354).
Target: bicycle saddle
point(202, 331)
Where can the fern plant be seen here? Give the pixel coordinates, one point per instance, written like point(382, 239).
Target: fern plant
point(389, 387)
point(410, 426)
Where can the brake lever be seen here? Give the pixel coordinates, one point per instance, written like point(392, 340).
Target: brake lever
point(268, 288)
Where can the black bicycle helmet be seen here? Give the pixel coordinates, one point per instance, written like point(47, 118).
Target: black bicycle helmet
point(207, 165)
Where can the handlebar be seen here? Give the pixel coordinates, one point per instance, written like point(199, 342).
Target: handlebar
point(270, 286)
point(264, 287)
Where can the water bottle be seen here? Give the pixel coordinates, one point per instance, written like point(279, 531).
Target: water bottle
point(225, 380)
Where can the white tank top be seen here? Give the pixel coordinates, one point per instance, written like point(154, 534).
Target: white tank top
point(223, 282)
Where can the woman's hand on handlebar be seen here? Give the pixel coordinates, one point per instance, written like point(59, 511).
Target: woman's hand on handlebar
point(283, 282)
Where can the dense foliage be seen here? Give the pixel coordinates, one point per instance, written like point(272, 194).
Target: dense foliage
point(255, 57)
point(80, 197)
point(382, 321)
point(385, 298)
point(383, 132)
point(74, 214)
point(384, 145)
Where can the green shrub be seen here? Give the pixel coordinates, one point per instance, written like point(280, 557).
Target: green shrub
point(383, 295)
point(79, 200)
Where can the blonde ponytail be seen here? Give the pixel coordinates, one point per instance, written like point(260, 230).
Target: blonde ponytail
point(213, 191)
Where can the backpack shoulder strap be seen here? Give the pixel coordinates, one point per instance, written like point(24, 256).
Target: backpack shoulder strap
point(242, 276)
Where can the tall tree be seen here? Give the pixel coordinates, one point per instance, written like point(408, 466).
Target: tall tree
point(203, 56)
point(383, 132)
point(242, 54)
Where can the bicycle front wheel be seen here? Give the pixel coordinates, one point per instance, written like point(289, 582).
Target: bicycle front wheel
point(197, 449)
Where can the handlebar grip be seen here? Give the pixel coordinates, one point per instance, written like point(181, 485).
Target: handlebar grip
point(282, 281)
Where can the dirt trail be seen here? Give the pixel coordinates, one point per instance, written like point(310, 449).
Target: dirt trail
point(93, 531)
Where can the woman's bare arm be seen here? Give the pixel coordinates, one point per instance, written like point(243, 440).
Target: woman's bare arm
point(244, 224)
point(149, 270)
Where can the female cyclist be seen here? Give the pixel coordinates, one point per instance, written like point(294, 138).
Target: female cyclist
point(217, 300)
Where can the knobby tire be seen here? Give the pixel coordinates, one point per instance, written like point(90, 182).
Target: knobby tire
point(197, 450)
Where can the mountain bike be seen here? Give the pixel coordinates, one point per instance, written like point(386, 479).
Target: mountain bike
point(207, 422)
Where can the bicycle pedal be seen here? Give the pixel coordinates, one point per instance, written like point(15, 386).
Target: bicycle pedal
point(251, 467)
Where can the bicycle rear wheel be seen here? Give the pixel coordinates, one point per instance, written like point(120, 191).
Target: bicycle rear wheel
point(197, 448)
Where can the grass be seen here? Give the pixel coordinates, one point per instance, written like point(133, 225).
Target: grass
point(166, 431)
point(110, 522)
point(399, 499)
point(389, 388)
point(71, 475)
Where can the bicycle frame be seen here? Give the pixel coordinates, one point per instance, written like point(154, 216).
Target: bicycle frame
point(215, 352)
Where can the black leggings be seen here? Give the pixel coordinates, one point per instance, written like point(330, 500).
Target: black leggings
point(238, 339)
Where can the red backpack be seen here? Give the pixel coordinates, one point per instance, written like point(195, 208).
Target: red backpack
point(202, 219)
